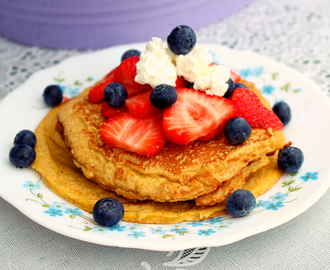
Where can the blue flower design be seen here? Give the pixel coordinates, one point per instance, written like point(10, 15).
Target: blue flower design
point(262, 203)
point(53, 212)
point(159, 230)
point(180, 230)
point(206, 233)
point(258, 71)
point(214, 220)
point(269, 89)
point(196, 223)
point(57, 205)
point(309, 175)
point(221, 227)
point(62, 87)
point(73, 91)
point(100, 229)
point(31, 185)
point(278, 197)
point(74, 212)
point(136, 234)
point(117, 227)
point(275, 206)
point(134, 226)
point(244, 73)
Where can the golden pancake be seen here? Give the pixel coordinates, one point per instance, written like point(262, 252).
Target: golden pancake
point(176, 173)
point(54, 163)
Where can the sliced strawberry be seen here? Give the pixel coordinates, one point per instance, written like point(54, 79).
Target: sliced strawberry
point(195, 114)
point(111, 73)
point(108, 111)
point(253, 111)
point(139, 106)
point(125, 74)
point(234, 76)
point(181, 82)
point(96, 92)
point(142, 136)
point(212, 134)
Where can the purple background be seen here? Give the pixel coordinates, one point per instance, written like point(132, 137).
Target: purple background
point(93, 24)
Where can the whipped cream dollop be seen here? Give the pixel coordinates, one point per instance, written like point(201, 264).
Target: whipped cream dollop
point(158, 65)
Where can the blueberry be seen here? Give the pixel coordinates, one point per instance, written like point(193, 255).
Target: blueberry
point(290, 159)
point(240, 85)
point(130, 53)
point(108, 211)
point(283, 112)
point(181, 40)
point(22, 155)
point(25, 137)
point(231, 88)
point(115, 95)
point(190, 85)
point(53, 95)
point(237, 130)
point(240, 203)
point(163, 96)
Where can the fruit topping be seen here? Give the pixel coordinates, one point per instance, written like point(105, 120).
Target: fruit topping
point(290, 159)
point(53, 95)
point(125, 74)
point(240, 85)
point(181, 40)
point(96, 92)
point(231, 88)
point(240, 203)
point(26, 137)
point(115, 95)
point(181, 82)
point(163, 96)
point(194, 115)
point(22, 155)
point(237, 130)
point(130, 53)
point(283, 112)
point(253, 111)
point(108, 111)
point(234, 76)
point(108, 211)
point(142, 136)
point(139, 106)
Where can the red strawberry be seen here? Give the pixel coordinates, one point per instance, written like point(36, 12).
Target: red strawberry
point(108, 111)
point(139, 106)
point(111, 73)
point(195, 114)
point(142, 136)
point(212, 134)
point(125, 74)
point(96, 92)
point(180, 82)
point(234, 76)
point(253, 111)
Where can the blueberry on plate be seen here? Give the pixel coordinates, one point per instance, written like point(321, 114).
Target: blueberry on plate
point(115, 95)
point(181, 40)
point(290, 159)
point(231, 88)
point(240, 203)
point(240, 85)
point(283, 112)
point(130, 53)
point(108, 211)
point(22, 155)
point(237, 130)
point(25, 137)
point(163, 96)
point(53, 95)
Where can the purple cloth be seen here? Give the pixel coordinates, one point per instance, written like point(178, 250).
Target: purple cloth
point(94, 24)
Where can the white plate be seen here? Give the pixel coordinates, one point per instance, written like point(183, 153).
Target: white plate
point(293, 194)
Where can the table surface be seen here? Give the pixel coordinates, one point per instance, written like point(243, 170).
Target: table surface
point(293, 32)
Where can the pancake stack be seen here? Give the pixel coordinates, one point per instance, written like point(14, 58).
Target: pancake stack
point(181, 183)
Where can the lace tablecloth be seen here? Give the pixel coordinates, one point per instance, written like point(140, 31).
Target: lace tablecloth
point(293, 32)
